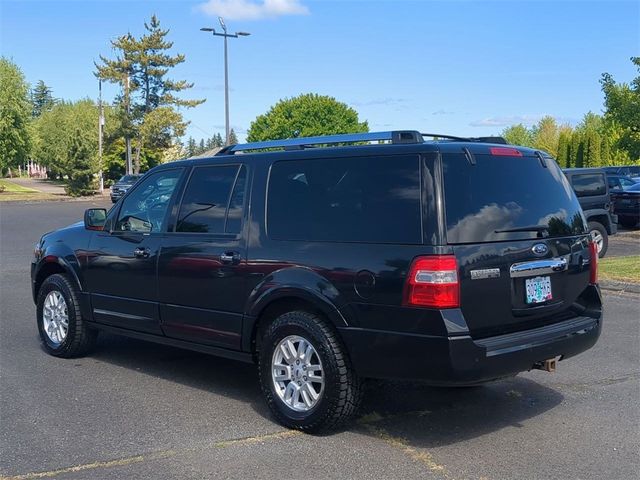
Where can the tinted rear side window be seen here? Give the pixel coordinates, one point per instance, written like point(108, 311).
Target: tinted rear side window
point(506, 193)
point(588, 184)
point(204, 204)
point(362, 199)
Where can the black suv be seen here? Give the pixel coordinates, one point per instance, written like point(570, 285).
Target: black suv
point(119, 188)
point(592, 189)
point(453, 262)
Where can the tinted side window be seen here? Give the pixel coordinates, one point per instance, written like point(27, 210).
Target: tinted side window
point(587, 184)
point(205, 200)
point(236, 202)
point(362, 199)
point(144, 209)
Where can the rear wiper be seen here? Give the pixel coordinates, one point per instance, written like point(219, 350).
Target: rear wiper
point(531, 228)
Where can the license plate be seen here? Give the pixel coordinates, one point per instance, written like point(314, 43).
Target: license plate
point(538, 289)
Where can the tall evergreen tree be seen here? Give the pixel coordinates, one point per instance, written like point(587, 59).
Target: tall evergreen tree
point(141, 66)
point(564, 140)
point(192, 146)
point(233, 138)
point(605, 153)
point(79, 168)
point(41, 99)
point(202, 146)
point(217, 140)
point(577, 149)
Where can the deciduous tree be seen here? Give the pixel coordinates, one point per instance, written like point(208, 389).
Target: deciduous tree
point(15, 113)
point(306, 115)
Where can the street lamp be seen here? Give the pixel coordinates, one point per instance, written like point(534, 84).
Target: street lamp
point(226, 69)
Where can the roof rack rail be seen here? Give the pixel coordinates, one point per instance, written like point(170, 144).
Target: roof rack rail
point(499, 140)
point(395, 137)
point(447, 137)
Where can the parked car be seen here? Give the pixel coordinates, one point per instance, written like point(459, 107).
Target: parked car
point(618, 183)
point(592, 189)
point(632, 171)
point(119, 188)
point(627, 205)
point(410, 259)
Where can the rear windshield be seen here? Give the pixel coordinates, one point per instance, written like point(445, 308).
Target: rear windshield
point(589, 184)
point(507, 193)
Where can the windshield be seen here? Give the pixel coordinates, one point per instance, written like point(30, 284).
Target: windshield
point(507, 198)
point(129, 178)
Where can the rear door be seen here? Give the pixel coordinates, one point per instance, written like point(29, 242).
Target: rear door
point(518, 234)
point(201, 269)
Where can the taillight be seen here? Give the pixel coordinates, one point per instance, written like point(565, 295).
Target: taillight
point(433, 282)
point(593, 263)
point(505, 152)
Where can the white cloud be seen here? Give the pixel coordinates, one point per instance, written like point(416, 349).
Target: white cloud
point(252, 9)
point(527, 120)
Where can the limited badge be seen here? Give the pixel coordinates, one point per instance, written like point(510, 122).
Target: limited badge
point(485, 273)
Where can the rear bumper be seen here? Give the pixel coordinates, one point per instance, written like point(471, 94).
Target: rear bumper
point(460, 359)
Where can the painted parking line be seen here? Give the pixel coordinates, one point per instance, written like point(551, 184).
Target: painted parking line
point(152, 456)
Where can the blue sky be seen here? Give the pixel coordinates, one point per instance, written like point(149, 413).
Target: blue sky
point(457, 67)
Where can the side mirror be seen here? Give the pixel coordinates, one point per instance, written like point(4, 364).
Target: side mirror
point(95, 218)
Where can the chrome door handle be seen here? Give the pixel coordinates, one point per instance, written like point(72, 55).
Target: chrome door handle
point(141, 252)
point(230, 257)
point(538, 267)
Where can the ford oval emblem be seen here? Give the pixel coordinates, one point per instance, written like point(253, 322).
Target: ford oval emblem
point(540, 249)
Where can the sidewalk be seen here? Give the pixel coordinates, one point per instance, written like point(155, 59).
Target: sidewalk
point(621, 287)
point(44, 186)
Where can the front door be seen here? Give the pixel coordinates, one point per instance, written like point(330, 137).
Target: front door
point(121, 270)
point(201, 274)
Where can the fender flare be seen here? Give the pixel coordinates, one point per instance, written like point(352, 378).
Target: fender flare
point(293, 283)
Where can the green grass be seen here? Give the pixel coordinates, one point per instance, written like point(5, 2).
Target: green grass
point(10, 187)
point(12, 192)
point(622, 269)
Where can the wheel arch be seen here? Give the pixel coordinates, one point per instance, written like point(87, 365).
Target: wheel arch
point(51, 265)
point(277, 304)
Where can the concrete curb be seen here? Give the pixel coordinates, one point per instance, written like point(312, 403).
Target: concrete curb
point(621, 287)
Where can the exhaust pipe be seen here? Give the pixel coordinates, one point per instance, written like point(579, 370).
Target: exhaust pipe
point(549, 365)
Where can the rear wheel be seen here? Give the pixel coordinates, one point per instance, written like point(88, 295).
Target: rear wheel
point(62, 330)
point(305, 374)
point(600, 237)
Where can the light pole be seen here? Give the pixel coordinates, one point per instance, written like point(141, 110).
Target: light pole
point(226, 69)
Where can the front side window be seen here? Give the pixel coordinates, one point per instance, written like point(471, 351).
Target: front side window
point(145, 208)
point(207, 199)
point(358, 199)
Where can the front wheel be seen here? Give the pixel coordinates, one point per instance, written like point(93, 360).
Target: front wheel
point(600, 237)
point(305, 373)
point(62, 329)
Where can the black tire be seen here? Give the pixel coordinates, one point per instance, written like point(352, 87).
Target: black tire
point(342, 388)
point(596, 226)
point(80, 339)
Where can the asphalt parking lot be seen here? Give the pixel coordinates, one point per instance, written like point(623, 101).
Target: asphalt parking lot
point(144, 411)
